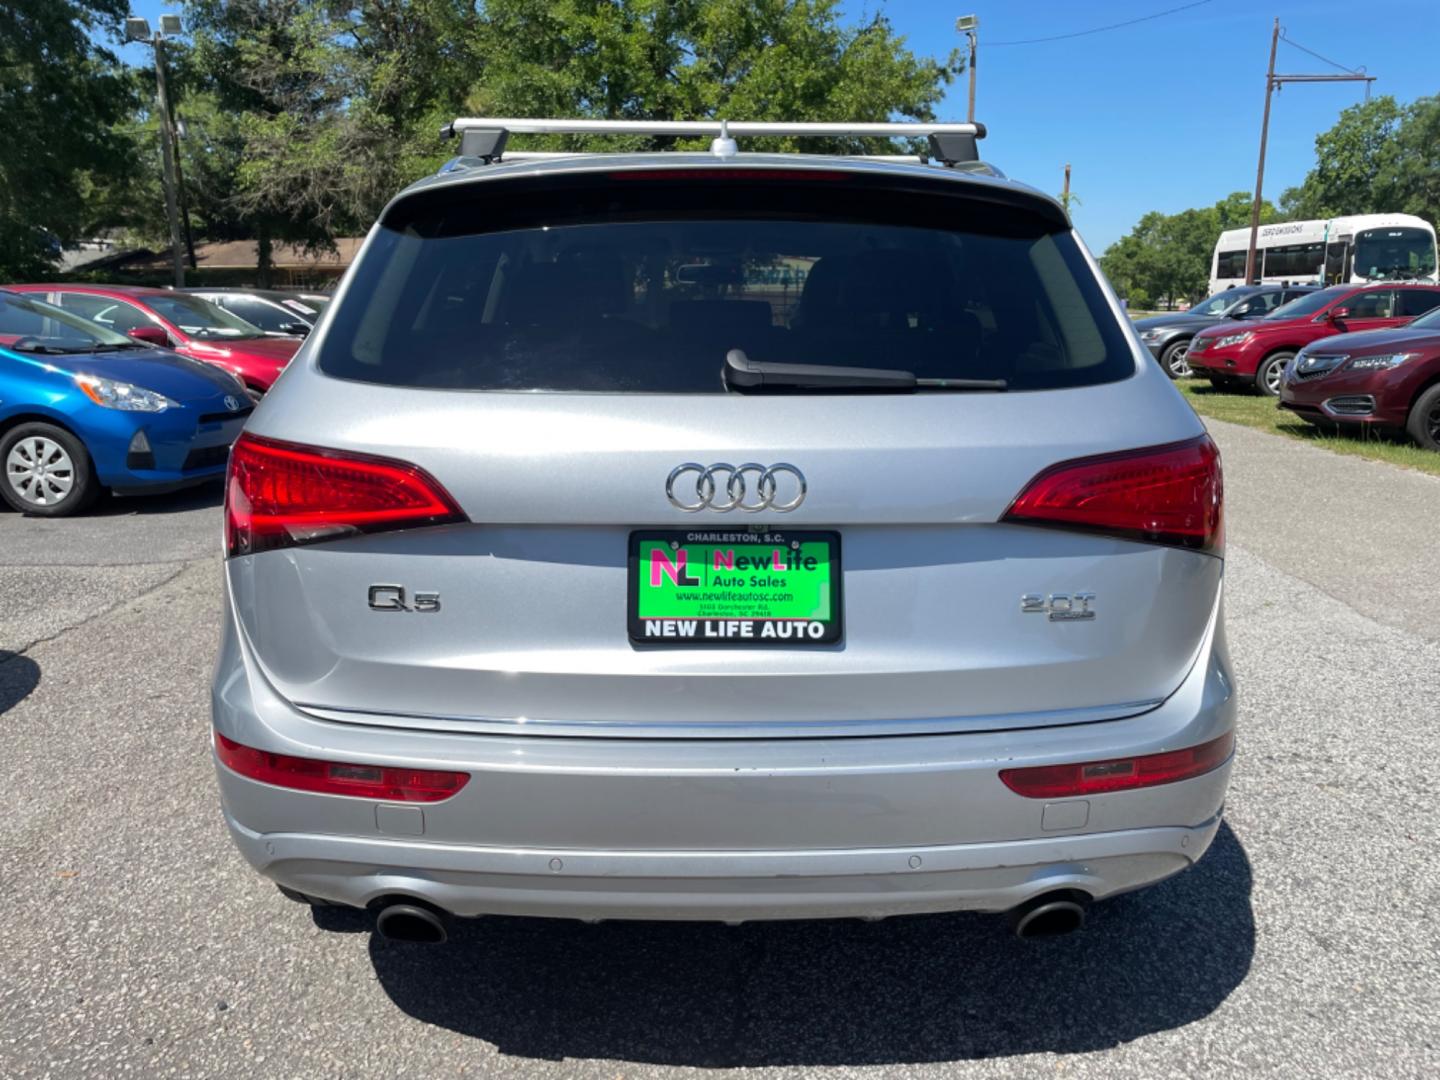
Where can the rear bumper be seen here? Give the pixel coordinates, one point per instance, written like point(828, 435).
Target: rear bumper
point(730, 886)
point(728, 829)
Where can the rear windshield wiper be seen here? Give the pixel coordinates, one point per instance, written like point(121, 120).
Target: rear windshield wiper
point(746, 375)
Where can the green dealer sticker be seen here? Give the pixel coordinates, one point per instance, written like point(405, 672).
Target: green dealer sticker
point(734, 588)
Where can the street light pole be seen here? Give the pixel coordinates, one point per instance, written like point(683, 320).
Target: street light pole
point(970, 26)
point(970, 111)
point(138, 29)
point(167, 147)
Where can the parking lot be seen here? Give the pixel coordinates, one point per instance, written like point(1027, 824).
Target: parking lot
point(136, 942)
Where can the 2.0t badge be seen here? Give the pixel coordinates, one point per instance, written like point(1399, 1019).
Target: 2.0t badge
point(1061, 607)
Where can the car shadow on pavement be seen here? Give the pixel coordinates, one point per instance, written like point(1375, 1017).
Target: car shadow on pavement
point(908, 990)
point(201, 497)
point(19, 675)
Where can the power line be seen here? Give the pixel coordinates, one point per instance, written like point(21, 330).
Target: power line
point(1326, 59)
point(1102, 29)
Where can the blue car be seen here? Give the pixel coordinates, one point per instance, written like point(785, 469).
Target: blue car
point(83, 409)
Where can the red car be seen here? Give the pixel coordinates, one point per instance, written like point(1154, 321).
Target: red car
point(189, 325)
point(1383, 379)
point(1257, 351)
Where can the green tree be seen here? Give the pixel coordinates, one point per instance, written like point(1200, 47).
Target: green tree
point(61, 97)
point(1349, 160)
point(1409, 180)
point(701, 59)
point(276, 66)
point(335, 106)
point(1167, 256)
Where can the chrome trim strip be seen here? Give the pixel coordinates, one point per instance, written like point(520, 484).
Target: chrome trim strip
point(739, 729)
point(1363, 405)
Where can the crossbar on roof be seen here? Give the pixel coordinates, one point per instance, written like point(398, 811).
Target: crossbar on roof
point(483, 138)
point(720, 128)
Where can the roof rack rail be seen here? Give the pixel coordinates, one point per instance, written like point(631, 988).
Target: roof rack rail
point(484, 138)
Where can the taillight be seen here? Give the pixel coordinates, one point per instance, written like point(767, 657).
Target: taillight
point(279, 494)
point(1164, 495)
point(1119, 774)
point(388, 782)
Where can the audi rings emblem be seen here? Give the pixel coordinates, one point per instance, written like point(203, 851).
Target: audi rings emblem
point(723, 487)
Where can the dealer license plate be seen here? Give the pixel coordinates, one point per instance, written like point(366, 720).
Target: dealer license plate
point(717, 587)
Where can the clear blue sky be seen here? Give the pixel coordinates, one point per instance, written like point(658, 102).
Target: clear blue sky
point(1162, 115)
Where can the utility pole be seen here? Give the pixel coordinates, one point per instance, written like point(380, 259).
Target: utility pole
point(1273, 83)
point(969, 25)
point(1065, 195)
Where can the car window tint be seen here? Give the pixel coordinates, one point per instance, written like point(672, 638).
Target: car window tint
point(1413, 302)
point(1372, 304)
point(256, 312)
point(105, 311)
point(1258, 305)
point(24, 316)
point(1309, 303)
point(642, 298)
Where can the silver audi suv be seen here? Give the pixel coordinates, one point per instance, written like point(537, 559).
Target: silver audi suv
point(722, 535)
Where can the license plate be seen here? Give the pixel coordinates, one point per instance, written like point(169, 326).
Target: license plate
point(768, 587)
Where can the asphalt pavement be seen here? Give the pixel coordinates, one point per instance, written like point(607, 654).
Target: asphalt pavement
point(135, 941)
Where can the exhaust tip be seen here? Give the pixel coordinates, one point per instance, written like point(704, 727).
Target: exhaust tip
point(1052, 914)
point(411, 923)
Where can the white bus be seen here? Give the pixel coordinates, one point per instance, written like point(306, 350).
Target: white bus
point(1333, 251)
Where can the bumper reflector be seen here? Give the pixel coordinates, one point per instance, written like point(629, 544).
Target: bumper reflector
point(1119, 774)
point(140, 456)
point(387, 782)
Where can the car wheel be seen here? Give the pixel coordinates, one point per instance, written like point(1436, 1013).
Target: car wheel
point(1270, 373)
point(47, 472)
point(1174, 362)
point(1424, 423)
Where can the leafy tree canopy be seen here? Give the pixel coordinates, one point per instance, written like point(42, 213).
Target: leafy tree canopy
point(1349, 159)
point(702, 59)
point(1167, 256)
point(60, 95)
point(1379, 158)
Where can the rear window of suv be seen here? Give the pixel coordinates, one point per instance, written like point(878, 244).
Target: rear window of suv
point(642, 282)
